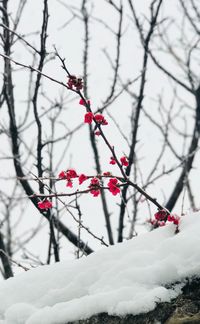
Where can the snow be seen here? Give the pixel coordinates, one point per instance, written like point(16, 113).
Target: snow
point(131, 277)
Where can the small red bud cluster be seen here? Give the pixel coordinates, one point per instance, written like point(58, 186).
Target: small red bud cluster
point(99, 118)
point(75, 83)
point(123, 160)
point(174, 219)
point(84, 102)
point(161, 217)
point(45, 204)
point(82, 178)
point(88, 118)
point(68, 175)
point(94, 187)
point(112, 160)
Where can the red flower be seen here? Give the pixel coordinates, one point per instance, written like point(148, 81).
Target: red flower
point(74, 82)
point(174, 219)
point(45, 204)
point(97, 133)
point(94, 187)
point(160, 215)
point(62, 175)
point(82, 178)
point(83, 102)
point(112, 184)
point(170, 218)
point(124, 161)
point(94, 182)
point(69, 184)
point(88, 118)
point(112, 160)
point(95, 192)
point(71, 173)
point(68, 175)
point(41, 205)
point(114, 190)
point(100, 119)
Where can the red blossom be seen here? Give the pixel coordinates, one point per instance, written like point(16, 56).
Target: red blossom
point(41, 205)
point(124, 161)
point(94, 182)
point(75, 83)
point(68, 175)
point(62, 175)
point(95, 192)
point(71, 173)
point(114, 190)
point(94, 187)
point(174, 219)
point(69, 183)
point(112, 184)
point(170, 218)
point(45, 204)
point(83, 102)
point(100, 119)
point(88, 118)
point(112, 160)
point(82, 178)
point(160, 215)
point(48, 204)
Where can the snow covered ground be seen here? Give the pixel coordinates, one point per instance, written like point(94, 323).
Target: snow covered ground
point(130, 277)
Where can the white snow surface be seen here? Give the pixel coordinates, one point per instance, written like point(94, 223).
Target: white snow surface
point(128, 278)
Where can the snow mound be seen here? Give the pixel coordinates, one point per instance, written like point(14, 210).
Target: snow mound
point(128, 278)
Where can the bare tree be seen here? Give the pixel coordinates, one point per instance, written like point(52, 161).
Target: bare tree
point(38, 131)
